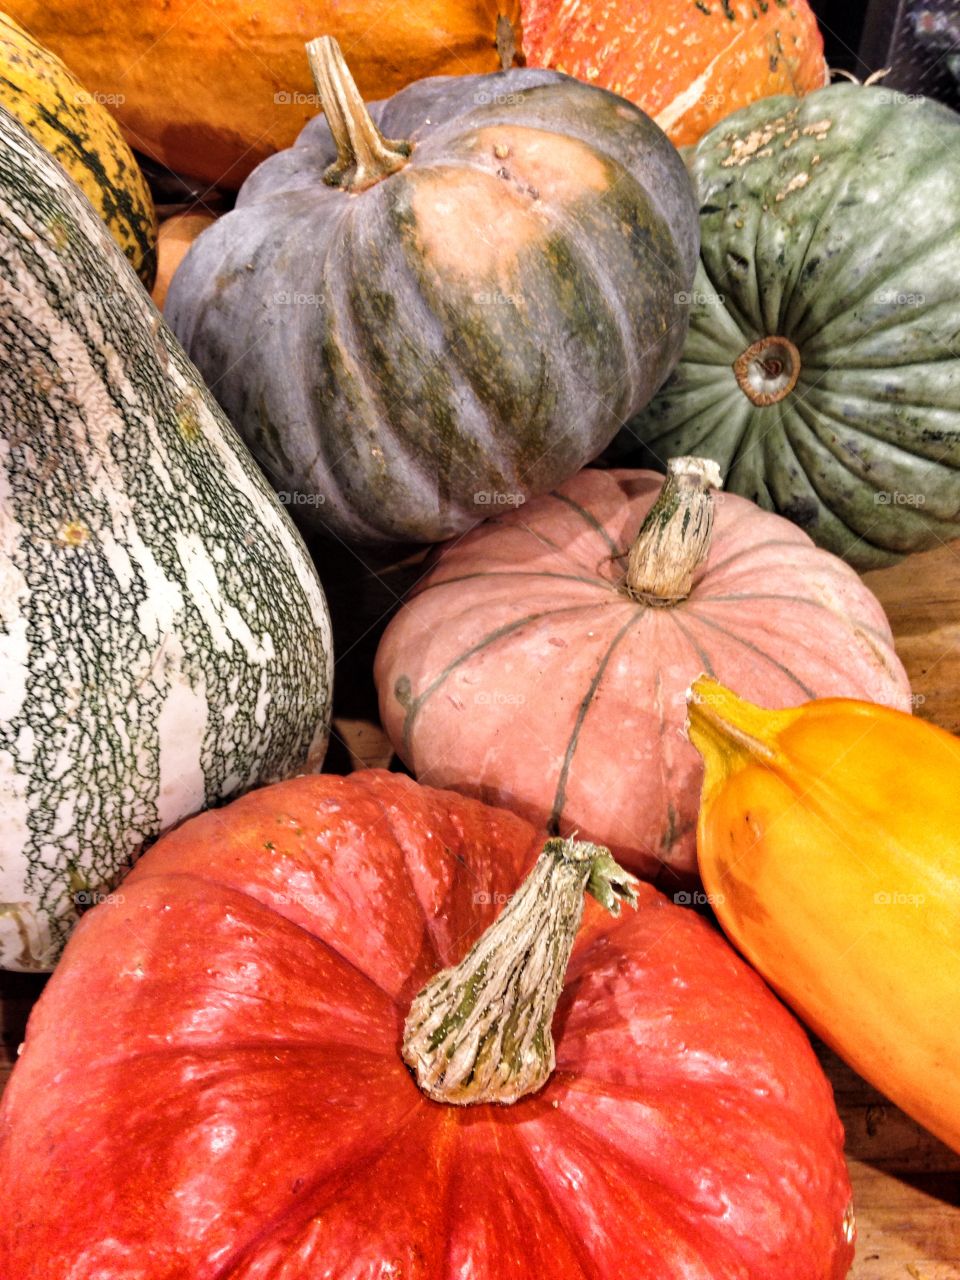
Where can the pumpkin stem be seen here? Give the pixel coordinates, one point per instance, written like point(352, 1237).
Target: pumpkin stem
point(480, 1031)
point(506, 42)
point(364, 155)
point(675, 537)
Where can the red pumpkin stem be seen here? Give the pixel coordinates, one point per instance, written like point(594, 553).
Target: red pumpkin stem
point(481, 1031)
point(674, 539)
point(364, 155)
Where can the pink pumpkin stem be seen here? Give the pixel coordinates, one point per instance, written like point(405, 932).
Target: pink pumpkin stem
point(674, 539)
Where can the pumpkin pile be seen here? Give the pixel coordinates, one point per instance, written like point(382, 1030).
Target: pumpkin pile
point(465, 1022)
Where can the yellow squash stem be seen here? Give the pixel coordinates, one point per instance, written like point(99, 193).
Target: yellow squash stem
point(829, 842)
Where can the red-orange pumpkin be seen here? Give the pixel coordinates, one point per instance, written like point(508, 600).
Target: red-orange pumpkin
point(522, 671)
point(212, 1087)
point(687, 63)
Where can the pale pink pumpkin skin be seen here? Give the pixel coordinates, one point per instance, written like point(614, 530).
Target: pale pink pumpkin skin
point(518, 672)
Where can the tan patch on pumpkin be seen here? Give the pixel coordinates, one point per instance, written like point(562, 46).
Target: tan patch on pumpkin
point(473, 223)
point(73, 534)
point(188, 420)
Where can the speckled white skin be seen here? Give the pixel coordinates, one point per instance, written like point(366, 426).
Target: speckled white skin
point(164, 639)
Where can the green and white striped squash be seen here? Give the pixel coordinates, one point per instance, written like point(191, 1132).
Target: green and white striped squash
point(822, 366)
point(164, 639)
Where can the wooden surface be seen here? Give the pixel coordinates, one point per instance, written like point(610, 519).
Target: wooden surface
point(921, 596)
point(906, 1183)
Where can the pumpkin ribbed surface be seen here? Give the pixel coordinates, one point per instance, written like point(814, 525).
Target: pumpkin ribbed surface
point(519, 671)
point(822, 367)
point(469, 330)
point(213, 1076)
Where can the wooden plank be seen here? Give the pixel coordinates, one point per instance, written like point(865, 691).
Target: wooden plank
point(907, 1227)
point(921, 596)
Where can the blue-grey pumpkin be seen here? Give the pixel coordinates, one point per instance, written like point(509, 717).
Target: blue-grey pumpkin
point(410, 333)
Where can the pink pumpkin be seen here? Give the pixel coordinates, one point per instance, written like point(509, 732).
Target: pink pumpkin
point(542, 663)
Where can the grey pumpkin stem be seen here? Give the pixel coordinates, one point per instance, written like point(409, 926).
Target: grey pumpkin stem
point(481, 1031)
point(364, 155)
point(674, 539)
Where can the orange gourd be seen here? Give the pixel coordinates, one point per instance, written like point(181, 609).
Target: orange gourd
point(211, 90)
point(176, 236)
point(687, 63)
point(829, 844)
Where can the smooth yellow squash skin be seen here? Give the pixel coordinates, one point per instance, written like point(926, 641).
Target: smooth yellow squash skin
point(829, 843)
point(76, 127)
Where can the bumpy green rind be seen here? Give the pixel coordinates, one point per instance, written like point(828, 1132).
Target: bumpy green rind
point(164, 640)
point(396, 399)
point(833, 221)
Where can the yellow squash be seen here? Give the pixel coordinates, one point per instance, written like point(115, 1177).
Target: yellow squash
point(829, 843)
point(76, 127)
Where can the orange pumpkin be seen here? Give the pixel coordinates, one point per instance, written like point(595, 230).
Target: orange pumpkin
point(211, 90)
point(176, 236)
point(828, 843)
point(687, 63)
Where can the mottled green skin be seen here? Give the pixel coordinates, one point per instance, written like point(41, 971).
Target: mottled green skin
point(393, 392)
point(164, 640)
point(859, 267)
